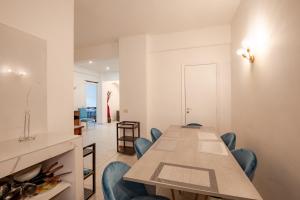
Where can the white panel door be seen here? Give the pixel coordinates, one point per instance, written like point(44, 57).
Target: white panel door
point(200, 94)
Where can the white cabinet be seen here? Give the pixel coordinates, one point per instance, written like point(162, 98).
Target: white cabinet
point(48, 147)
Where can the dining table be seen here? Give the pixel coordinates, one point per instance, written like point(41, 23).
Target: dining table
point(194, 160)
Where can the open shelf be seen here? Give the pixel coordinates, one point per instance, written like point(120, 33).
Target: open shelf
point(88, 193)
point(126, 150)
point(127, 133)
point(87, 152)
point(88, 173)
point(127, 138)
point(60, 187)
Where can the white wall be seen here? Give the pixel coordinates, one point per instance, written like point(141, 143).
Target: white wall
point(150, 74)
point(110, 76)
point(102, 52)
point(133, 94)
point(80, 77)
point(266, 95)
point(167, 54)
point(52, 20)
point(22, 52)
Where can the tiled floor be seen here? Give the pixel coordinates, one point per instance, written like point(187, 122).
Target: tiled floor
point(105, 138)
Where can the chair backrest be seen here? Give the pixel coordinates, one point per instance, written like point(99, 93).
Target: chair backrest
point(230, 140)
point(193, 124)
point(155, 134)
point(247, 160)
point(83, 113)
point(141, 145)
point(115, 188)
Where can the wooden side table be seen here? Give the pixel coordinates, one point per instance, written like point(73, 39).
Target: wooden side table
point(78, 130)
point(125, 142)
point(76, 117)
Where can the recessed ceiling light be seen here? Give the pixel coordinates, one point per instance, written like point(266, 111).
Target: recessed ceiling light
point(90, 61)
point(107, 68)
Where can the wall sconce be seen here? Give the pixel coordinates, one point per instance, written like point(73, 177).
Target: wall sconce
point(246, 53)
point(9, 71)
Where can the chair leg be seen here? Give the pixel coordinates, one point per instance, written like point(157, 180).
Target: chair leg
point(173, 194)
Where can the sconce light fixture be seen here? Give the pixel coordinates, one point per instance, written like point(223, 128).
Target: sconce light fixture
point(22, 73)
point(245, 52)
point(10, 71)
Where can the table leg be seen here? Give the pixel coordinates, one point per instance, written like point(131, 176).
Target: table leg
point(173, 194)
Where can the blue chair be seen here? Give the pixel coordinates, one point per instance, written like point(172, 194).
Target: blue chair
point(230, 140)
point(141, 145)
point(84, 117)
point(193, 124)
point(247, 160)
point(115, 188)
point(155, 134)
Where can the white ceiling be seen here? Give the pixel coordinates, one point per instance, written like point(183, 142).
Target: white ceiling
point(99, 66)
point(101, 21)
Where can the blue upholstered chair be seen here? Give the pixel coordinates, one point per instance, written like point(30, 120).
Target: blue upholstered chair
point(247, 160)
point(115, 188)
point(155, 134)
point(141, 145)
point(193, 124)
point(84, 117)
point(230, 140)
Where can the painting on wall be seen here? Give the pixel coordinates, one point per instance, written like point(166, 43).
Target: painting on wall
point(22, 82)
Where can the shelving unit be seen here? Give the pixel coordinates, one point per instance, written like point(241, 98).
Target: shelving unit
point(46, 149)
point(124, 139)
point(60, 187)
point(90, 150)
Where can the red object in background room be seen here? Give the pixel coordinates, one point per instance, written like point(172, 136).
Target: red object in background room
point(108, 108)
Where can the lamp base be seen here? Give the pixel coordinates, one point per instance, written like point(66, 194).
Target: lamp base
point(26, 139)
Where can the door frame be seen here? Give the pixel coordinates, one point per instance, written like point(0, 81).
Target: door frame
point(183, 91)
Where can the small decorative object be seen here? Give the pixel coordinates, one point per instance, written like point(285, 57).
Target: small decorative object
point(4, 189)
point(108, 108)
point(28, 174)
point(246, 52)
point(15, 193)
point(26, 133)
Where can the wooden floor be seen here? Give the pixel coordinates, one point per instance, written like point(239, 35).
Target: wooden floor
point(105, 138)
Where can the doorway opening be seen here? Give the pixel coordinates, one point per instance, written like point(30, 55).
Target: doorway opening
point(93, 81)
point(91, 99)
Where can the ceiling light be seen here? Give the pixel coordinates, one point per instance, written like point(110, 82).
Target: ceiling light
point(107, 68)
point(90, 62)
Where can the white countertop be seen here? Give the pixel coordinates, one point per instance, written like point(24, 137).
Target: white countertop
point(13, 148)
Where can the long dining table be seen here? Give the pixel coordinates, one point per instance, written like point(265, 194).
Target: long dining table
point(193, 160)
